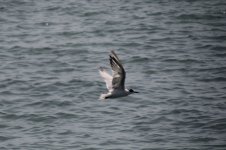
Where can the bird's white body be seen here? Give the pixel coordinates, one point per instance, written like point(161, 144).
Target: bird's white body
point(115, 94)
point(115, 83)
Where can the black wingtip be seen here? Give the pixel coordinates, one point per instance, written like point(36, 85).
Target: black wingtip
point(112, 54)
point(112, 58)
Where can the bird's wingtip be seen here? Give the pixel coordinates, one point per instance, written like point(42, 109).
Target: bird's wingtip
point(112, 51)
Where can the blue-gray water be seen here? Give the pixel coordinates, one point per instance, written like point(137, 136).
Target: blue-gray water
point(174, 53)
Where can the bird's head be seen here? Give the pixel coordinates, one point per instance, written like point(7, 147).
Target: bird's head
point(131, 91)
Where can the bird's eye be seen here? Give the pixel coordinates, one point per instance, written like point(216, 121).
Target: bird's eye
point(131, 90)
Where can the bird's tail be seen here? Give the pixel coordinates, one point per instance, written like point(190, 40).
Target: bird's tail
point(103, 96)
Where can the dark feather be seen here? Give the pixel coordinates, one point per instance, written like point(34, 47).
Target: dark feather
point(118, 72)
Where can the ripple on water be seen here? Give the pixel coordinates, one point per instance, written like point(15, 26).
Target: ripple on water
point(174, 55)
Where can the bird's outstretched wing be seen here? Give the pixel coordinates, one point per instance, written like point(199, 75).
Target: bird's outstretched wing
point(107, 78)
point(119, 74)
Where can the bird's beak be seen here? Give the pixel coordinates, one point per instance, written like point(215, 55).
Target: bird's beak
point(135, 92)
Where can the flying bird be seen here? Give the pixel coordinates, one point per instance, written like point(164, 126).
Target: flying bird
point(115, 83)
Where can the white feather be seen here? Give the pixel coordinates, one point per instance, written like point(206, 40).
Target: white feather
point(107, 78)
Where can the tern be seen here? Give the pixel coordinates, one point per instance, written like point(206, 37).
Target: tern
point(116, 83)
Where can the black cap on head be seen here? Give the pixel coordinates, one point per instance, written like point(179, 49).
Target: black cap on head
point(131, 90)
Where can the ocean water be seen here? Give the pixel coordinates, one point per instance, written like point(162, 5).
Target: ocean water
point(174, 53)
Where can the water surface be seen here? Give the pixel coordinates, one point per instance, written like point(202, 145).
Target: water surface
point(174, 53)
